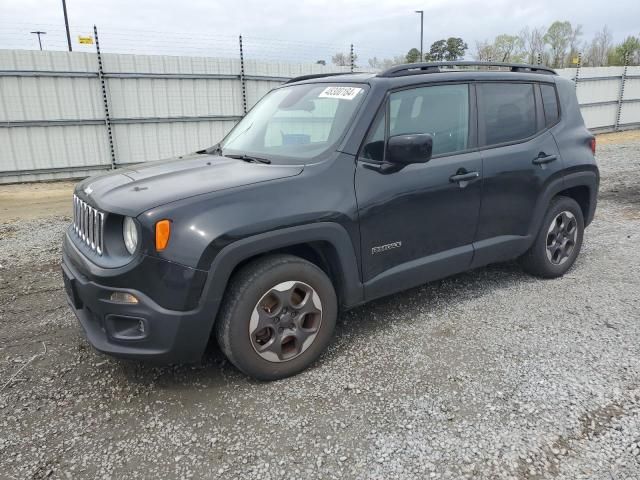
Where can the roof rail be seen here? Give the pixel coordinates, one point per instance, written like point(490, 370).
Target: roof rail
point(435, 67)
point(316, 75)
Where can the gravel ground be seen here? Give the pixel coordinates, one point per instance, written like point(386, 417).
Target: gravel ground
point(489, 374)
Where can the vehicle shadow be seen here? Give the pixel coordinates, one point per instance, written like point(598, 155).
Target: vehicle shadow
point(359, 323)
point(435, 296)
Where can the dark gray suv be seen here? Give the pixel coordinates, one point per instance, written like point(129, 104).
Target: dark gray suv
point(332, 191)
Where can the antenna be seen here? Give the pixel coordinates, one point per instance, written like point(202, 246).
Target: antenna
point(38, 33)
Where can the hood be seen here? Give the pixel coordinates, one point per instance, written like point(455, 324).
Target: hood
point(133, 190)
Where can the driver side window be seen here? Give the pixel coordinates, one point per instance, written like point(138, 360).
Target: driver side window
point(441, 111)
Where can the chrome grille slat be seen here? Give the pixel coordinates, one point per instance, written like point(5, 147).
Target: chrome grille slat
point(92, 242)
point(88, 224)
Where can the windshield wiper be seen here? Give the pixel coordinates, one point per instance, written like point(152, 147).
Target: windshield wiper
point(248, 158)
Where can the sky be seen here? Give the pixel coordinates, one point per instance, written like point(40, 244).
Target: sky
point(289, 29)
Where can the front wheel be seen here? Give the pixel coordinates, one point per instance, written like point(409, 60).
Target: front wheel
point(558, 243)
point(277, 317)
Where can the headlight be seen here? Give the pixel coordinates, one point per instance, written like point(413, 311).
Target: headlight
point(130, 234)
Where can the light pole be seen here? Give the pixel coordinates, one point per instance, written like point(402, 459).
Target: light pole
point(421, 12)
point(38, 33)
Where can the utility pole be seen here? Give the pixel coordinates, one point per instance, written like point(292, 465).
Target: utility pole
point(38, 33)
point(421, 12)
point(66, 23)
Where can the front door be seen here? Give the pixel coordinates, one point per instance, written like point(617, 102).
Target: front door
point(418, 223)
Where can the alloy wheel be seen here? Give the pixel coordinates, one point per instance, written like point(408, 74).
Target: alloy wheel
point(285, 321)
point(561, 237)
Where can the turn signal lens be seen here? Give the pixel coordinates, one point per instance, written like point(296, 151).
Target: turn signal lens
point(592, 144)
point(163, 233)
point(123, 297)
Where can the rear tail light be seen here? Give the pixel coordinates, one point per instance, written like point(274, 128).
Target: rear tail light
point(592, 144)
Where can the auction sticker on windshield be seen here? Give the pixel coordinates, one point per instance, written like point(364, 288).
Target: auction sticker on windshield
point(342, 93)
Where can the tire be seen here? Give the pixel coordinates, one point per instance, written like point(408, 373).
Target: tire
point(557, 245)
point(277, 317)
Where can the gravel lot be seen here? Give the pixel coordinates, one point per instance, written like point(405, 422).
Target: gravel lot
point(489, 374)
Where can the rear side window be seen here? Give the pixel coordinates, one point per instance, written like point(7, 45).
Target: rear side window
point(508, 112)
point(550, 104)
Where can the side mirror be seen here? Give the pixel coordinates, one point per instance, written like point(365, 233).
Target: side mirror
point(407, 149)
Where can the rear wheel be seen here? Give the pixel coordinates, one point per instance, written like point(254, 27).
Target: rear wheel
point(277, 317)
point(558, 243)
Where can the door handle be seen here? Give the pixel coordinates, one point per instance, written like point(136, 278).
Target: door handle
point(543, 158)
point(464, 177)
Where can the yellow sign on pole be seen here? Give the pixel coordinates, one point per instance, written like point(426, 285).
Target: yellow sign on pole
point(85, 40)
point(575, 60)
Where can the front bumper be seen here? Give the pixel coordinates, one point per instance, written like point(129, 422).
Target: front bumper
point(145, 330)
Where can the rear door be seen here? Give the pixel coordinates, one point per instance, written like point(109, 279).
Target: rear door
point(519, 158)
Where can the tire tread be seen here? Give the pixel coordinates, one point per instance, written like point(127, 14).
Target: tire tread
point(235, 293)
point(531, 261)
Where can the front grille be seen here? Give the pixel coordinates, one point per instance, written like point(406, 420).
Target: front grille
point(88, 223)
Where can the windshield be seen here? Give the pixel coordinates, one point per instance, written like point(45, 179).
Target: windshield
point(295, 123)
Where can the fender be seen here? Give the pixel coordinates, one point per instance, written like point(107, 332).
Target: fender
point(233, 254)
point(583, 178)
point(590, 179)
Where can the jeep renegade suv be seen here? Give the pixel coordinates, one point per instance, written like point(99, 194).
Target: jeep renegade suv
point(332, 191)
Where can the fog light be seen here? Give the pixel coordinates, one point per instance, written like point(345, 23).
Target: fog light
point(123, 297)
point(123, 327)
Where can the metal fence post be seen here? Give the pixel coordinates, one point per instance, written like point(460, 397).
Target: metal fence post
point(352, 57)
point(103, 86)
point(616, 125)
point(578, 69)
point(243, 81)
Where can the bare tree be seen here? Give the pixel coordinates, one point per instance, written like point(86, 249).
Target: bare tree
point(598, 51)
point(376, 63)
point(343, 59)
point(532, 43)
point(484, 51)
point(504, 48)
point(508, 48)
point(574, 42)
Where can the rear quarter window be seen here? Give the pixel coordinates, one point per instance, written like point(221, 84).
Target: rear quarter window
point(507, 112)
point(549, 104)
